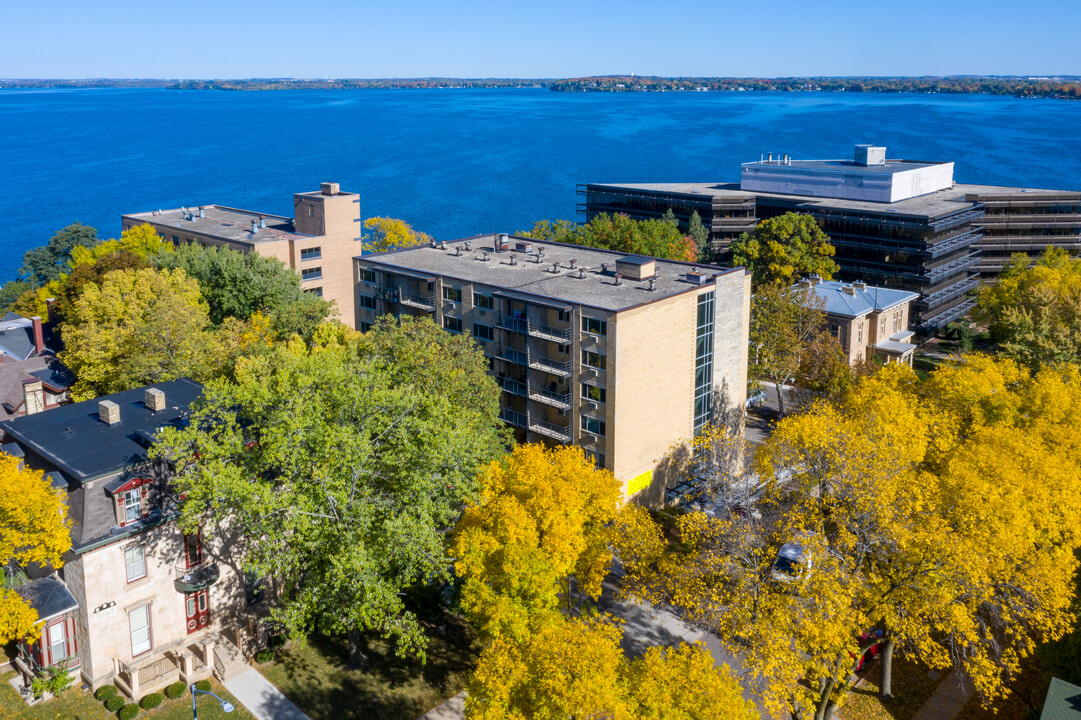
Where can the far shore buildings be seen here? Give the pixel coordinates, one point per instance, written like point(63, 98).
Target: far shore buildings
point(137, 603)
point(869, 322)
point(895, 223)
point(624, 356)
point(318, 242)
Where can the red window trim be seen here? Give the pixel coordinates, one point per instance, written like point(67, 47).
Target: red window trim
point(70, 644)
point(199, 549)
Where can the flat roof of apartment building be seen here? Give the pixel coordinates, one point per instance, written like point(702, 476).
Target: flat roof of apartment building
point(559, 273)
point(217, 221)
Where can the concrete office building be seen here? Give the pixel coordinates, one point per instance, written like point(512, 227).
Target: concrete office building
point(319, 242)
point(624, 356)
point(895, 223)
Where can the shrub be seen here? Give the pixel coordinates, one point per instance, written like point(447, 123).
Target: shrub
point(175, 690)
point(128, 711)
point(114, 703)
point(276, 641)
point(203, 685)
point(105, 692)
point(151, 701)
point(264, 656)
point(52, 680)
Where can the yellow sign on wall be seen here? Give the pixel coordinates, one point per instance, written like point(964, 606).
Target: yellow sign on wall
point(640, 483)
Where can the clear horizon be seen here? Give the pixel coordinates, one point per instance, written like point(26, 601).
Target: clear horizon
point(245, 39)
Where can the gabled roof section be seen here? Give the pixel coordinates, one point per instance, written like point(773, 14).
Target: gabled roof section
point(1063, 701)
point(49, 596)
point(80, 445)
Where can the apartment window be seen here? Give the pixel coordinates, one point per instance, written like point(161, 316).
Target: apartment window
point(484, 332)
point(595, 326)
point(859, 334)
point(882, 327)
point(593, 425)
point(594, 360)
point(594, 393)
point(311, 253)
point(135, 560)
point(132, 505)
point(58, 643)
point(597, 458)
point(311, 211)
point(452, 293)
point(253, 587)
point(193, 549)
point(176, 240)
point(367, 275)
point(316, 291)
point(365, 327)
point(564, 316)
point(703, 362)
point(484, 302)
point(897, 321)
point(139, 624)
point(453, 324)
point(367, 301)
point(311, 273)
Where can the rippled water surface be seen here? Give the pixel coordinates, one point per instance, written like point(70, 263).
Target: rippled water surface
point(461, 162)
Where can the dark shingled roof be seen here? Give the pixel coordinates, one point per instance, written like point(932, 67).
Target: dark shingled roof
point(75, 440)
point(49, 596)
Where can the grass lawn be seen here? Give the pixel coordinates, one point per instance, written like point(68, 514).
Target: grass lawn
point(912, 686)
point(74, 704)
point(315, 677)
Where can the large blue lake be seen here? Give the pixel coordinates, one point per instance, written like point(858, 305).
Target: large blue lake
point(461, 162)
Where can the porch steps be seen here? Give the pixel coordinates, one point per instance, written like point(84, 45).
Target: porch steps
point(228, 660)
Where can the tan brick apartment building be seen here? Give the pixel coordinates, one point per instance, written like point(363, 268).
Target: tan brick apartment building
point(137, 602)
point(621, 355)
point(869, 322)
point(319, 242)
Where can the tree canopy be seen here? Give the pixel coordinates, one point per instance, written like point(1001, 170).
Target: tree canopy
point(137, 327)
point(338, 472)
point(50, 261)
point(784, 248)
point(33, 530)
point(655, 238)
point(1035, 312)
point(384, 233)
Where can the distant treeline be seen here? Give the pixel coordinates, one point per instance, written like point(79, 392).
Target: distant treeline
point(1067, 87)
point(1058, 87)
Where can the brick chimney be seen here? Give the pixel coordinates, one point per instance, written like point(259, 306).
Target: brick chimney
point(154, 399)
point(51, 304)
point(39, 339)
point(33, 396)
point(109, 412)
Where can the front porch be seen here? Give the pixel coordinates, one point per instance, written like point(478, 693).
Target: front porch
point(188, 661)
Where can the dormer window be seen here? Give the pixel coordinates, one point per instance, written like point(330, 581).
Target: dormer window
point(132, 506)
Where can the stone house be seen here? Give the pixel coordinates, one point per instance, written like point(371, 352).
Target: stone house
point(137, 603)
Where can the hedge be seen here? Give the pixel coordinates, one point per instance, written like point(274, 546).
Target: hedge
point(175, 690)
point(114, 703)
point(151, 701)
point(203, 685)
point(129, 711)
point(264, 656)
point(105, 692)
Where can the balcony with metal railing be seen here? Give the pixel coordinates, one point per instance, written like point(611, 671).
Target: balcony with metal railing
point(559, 335)
point(954, 266)
point(517, 357)
point(514, 387)
point(423, 302)
point(551, 398)
point(514, 418)
point(548, 365)
point(562, 433)
point(512, 323)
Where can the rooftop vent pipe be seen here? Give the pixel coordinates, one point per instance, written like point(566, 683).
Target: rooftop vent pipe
point(262, 221)
point(652, 284)
point(466, 246)
point(619, 277)
point(202, 211)
point(581, 272)
point(513, 260)
point(254, 226)
point(574, 263)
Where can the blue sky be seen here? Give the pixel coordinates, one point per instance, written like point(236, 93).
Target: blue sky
point(557, 38)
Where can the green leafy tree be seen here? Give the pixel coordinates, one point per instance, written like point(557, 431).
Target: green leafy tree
point(786, 325)
point(655, 238)
point(49, 262)
point(11, 291)
point(1035, 312)
point(384, 233)
point(135, 328)
point(334, 473)
point(784, 248)
point(237, 285)
point(700, 234)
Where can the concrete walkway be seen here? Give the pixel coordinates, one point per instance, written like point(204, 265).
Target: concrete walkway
point(453, 709)
point(948, 700)
point(262, 699)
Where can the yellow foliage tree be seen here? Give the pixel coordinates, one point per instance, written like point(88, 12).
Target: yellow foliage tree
point(33, 529)
point(141, 240)
point(384, 233)
point(542, 517)
point(137, 327)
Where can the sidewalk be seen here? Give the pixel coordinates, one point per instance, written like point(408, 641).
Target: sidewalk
point(453, 709)
point(262, 699)
point(948, 700)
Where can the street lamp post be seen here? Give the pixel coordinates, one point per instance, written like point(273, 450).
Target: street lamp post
point(225, 705)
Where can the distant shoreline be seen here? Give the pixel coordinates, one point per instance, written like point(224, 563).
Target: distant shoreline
point(1059, 87)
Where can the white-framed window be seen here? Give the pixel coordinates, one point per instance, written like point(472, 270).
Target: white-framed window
point(135, 562)
point(133, 505)
point(594, 360)
point(594, 326)
point(139, 624)
point(594, 393)
point(593, 425)
point(452, 293)
point(58, 642)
